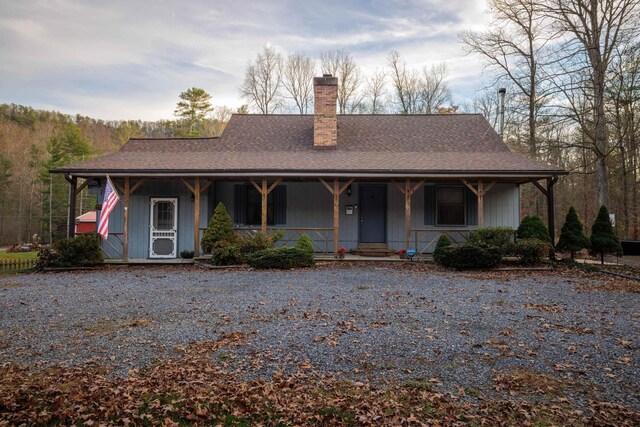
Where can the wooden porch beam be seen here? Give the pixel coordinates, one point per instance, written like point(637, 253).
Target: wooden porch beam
point(257, 187)
point(540, 187)
point(125, 233)
point(186, 183)
point(327, 186)
point(136, 186)
point(118, 186)
point(417, 186)
point(206, 186)
point(346, 185)
point(398, 186)
point(82, 186)
point(489, 187)
point(274, 185)
point(469, 186)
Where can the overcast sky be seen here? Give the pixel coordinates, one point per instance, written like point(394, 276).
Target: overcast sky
point(130, 59)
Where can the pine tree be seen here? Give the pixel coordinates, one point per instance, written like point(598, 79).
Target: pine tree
point(572, 236)
point(220, 229)
point(193, 107)
point(603, 239)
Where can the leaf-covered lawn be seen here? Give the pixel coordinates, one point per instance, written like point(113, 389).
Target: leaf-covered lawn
point(18, 255)
point(198, 389)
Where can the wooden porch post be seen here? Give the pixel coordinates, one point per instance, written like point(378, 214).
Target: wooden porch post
point(125, 231)
point(336, 190)
point(480, 195)
point(264, 192)
point(71, 221)
point(264, 205)
point(480, 192)
point(407, 213)
point(196, 189)
point(196, 218)
point(336, 216)
point(551, 218)
point(408, 191)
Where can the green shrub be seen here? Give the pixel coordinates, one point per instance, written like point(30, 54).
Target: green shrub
point(226, 253)
point(443, 242)
point(304, 242)
point(572, 237)
point(531, 251)
point(187, 254)
point(498, 237)
point(283, 258)
point(258, 241)
point(603, 239)
point(533, 227)
point(220, 229)
point(470, 256)
point(80, 251)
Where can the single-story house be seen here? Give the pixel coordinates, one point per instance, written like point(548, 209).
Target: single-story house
point(362, 182)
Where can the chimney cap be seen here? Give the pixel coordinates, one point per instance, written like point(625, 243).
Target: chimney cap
point(502, 91)
point(327, 75)
point(325, 80)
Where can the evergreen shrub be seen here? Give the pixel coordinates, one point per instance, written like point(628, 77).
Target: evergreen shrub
point(281, 258)
point(603, 239)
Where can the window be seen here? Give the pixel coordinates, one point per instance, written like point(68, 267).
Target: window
point(254, 207)
point(450, 206)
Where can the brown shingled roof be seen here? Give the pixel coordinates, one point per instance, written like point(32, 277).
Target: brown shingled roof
point(375, 144)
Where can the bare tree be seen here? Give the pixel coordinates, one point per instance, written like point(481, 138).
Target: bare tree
point(407, 85)
point(513, 48)
point(375, 93)
point(298, 74)
point(597, 28)
point(263, 81)
point(341, 64)
point(435, 91)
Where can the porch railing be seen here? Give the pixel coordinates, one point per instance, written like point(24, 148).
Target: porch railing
point(118, 237)
point(321, 238)
point(425, 239)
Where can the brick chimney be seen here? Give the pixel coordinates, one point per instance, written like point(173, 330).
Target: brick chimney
point(325, 122)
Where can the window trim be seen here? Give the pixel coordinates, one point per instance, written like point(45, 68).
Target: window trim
point(464, 206)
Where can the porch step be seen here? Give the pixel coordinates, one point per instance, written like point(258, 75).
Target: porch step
point(373, 250)
point(372, 246)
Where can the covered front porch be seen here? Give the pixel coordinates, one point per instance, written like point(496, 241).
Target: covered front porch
point(158, 217)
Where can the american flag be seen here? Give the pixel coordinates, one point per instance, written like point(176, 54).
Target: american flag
point(108, 203)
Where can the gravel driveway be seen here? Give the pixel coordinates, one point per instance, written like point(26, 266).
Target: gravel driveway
point(461, 332)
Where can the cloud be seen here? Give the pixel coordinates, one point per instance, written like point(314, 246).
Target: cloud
point(130, 59)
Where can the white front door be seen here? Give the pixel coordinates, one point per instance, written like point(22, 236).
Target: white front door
point(163, 228)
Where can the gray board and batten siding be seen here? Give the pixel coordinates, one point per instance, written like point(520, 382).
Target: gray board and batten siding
point(308, 205)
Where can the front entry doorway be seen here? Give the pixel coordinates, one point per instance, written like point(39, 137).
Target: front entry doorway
point(163, 228)
point(373, 213)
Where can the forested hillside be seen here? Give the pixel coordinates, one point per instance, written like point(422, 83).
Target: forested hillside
point(33, 141)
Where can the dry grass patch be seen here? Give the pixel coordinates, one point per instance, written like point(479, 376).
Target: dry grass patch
point(528, 381)
point(108, 325)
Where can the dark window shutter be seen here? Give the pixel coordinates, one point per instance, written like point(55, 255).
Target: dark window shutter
point(239, 203)
point(472, 207)
point(430, 204)
point(280, 204)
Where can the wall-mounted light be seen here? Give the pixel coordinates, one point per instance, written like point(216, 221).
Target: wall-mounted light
point(349, 190)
